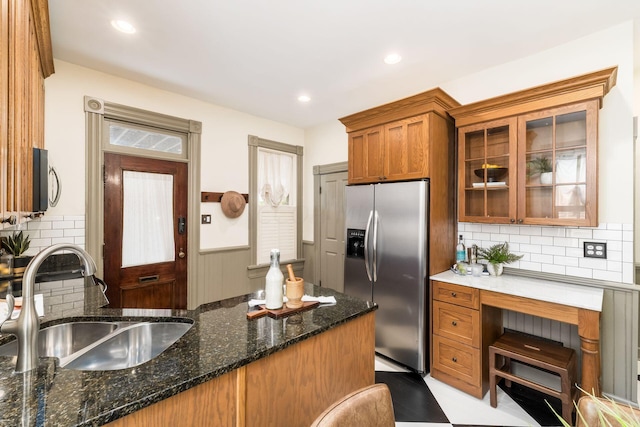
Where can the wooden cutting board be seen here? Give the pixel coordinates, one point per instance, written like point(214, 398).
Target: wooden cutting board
point(281, 312)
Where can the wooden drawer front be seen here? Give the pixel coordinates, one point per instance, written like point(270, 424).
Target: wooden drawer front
point(457, 360)
point(456, 294)
point(457, 323)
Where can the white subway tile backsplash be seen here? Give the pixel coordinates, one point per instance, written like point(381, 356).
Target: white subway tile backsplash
point(542, 258)
point(534, 249)
point(568, 242)
point(37, 225)
point(607, 235)
point(553, 268)
point(531, 231)
point(73, 232)
point(518, 238)
point(554, 250)
point(611, 276)
point(580, 233)
point(490, 228)
point(541, 240)
point(553, 231)
point(63, 224)
point(497, 237)
point(560, 250)
point(509, 229)
point(580, 272)
point(52, 233)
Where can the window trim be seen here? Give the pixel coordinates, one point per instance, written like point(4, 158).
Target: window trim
point(255, 143)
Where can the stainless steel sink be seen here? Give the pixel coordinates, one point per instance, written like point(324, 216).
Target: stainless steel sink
point(88, 345)
point(131, 346)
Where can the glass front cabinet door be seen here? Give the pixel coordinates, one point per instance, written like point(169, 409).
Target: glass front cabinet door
point(557, 166)
point(487, 171)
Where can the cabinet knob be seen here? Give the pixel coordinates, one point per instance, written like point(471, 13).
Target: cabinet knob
point(453, 294)
point(454, 323)
point(512, 220)
point(454, 359)
point(520, 221)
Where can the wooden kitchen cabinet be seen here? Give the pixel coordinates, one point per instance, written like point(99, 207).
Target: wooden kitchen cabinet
point(531, 157)
point(26, 59)
point(400, 141)
point(366, 151)
point(461, 331)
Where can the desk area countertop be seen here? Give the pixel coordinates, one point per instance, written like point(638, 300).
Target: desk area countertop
point(586, 297)
point(563, 302)
point(221, 340)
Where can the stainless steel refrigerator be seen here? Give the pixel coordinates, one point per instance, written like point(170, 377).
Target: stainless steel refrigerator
point(386, 261)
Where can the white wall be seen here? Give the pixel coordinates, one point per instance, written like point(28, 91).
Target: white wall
point(325, 144)
point(224, 141)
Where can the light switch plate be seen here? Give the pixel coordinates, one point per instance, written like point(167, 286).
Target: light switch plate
point(206, 219)
point(595, 250)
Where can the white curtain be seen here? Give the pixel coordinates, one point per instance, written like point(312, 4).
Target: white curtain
point(274, 178)
point(147, 235)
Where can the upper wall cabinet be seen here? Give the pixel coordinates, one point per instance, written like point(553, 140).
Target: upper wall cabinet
point(531, 157)
point(396, 141)
point(26, 59)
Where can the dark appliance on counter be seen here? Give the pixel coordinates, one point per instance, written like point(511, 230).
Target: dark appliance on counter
point(387, 262)
point(40, 180)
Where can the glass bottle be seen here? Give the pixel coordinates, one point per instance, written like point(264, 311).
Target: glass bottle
point(460, 251)
point(274, 281)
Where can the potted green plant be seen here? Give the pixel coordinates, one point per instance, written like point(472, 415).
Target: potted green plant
point(541, 166)
point(17, 244)
point(496, 256)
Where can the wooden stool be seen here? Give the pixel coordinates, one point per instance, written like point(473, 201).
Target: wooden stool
point(541, 354)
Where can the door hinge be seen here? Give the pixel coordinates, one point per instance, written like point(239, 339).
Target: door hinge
point(320, 283)
point(320, 190)
point(103, 251)
point(104, 175)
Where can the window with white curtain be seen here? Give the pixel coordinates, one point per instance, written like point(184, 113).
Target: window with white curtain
point(277, 205)
point(147, 234)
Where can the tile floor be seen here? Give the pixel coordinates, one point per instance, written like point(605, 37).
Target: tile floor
point(464, 410)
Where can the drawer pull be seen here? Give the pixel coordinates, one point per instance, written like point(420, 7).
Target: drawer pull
point(453, 294)
point(455, 359)
point(454, 323)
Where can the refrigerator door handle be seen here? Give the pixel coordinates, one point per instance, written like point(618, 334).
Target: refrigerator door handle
point(366, 246)
point(375, 242)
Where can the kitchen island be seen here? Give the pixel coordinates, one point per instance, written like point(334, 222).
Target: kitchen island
point(225, 371)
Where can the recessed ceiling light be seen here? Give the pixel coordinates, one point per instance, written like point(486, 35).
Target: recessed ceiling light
point(392, 58)
point(123, 26)
point(304, 98)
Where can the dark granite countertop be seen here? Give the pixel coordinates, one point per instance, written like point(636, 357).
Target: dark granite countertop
point(221, 340)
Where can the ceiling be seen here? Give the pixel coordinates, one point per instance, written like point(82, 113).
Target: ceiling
point(258, 56)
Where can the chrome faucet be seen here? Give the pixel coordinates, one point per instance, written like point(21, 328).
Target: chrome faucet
point(27, 325)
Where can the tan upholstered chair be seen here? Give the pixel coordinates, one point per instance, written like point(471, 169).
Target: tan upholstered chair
point(590, 408)
point(370, 406)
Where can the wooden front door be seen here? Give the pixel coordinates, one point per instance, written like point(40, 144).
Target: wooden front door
point(145, 232)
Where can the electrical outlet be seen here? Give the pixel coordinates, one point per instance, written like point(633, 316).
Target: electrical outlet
point(595, 250)
point(206, 219)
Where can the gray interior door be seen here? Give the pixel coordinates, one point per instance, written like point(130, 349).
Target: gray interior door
point(332, 230)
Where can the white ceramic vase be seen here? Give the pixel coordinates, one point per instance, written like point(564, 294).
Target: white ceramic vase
point(546, 178)
point(495, 269)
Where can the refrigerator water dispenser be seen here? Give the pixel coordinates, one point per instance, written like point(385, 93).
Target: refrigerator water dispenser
point(355, 243)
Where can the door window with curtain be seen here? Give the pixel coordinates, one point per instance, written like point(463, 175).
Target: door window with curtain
point(277, 213)
point(147, 230)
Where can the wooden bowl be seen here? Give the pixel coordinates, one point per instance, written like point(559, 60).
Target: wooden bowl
point(493, 174)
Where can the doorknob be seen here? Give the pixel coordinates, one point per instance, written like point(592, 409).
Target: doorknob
point(181, 253)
